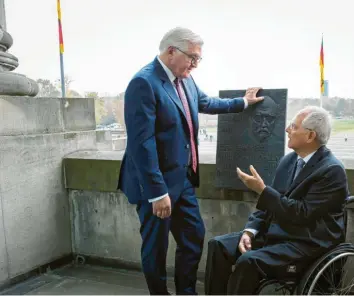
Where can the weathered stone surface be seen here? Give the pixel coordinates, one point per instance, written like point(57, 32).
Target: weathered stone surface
point(8, 61)
point(14, 84)
point(255, 137)
point(105, 225)
point(81, 169)
point(34, 199)
point(104, 140)
point(2, 14)
point(94, 170)
point(34, 207)
point(79, 115)
point(21, 115)
point(3, 252)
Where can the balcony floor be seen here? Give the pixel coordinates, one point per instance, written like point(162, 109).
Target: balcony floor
point(87, 280)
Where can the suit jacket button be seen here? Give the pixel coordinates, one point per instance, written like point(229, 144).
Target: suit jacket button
point(141, 188)
point(187, 146)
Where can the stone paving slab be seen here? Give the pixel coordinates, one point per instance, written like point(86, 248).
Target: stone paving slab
point(87, 280)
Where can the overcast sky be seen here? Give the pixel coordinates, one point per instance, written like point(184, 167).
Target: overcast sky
point(273, 43)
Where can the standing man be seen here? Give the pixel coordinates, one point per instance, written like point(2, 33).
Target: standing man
point(160, 167)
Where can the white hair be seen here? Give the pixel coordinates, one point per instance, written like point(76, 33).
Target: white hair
point(180, 38)
point(318, 120)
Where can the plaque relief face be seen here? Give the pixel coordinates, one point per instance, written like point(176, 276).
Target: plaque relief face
point(255, 137)
point(263, 119)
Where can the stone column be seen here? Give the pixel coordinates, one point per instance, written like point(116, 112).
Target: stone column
point(12, 84)
point(2, 15)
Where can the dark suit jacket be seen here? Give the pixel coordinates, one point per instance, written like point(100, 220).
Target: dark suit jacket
point(308, 212)
point(158, 146)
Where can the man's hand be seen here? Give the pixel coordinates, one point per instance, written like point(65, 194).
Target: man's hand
point(254, 182)
point(162, 207)
point(245, 242)
point(251, 97)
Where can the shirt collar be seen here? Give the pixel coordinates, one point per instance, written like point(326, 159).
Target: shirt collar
point(308, 157)
point(169, 73)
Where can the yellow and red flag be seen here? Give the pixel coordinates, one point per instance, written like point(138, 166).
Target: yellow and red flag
point(61, 41)
point(322, 82)
point(61, 50)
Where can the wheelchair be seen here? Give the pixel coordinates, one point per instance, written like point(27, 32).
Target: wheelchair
point(331, 274)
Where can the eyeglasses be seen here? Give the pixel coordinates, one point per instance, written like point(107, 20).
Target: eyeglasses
point(293, 126)
point(194, 59)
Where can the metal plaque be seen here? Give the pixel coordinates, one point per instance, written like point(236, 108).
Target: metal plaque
point(255, 137)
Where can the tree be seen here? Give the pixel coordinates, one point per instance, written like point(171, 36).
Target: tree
point(340, 107)
point(47, 89)
point(118, 109)
point(92, 94)
point(73, 94)
point(69, 93)
point(100, 110)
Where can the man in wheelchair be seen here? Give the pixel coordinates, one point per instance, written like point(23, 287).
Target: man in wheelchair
point(298, 218)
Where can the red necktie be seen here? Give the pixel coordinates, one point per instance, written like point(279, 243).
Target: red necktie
point(189, 121)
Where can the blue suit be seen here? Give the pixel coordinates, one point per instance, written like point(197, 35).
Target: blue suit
point(156, 162)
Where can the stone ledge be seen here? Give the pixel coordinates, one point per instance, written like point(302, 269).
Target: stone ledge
point(99, 171)
point(26, 115)
point(92, 170)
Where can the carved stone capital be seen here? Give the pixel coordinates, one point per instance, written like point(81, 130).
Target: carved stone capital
point(13, 84)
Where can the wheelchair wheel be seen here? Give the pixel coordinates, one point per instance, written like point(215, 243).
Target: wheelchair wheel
point(275, 287)
point(333, 274)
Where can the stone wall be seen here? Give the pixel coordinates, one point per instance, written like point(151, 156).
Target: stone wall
point(106, 226)
point(35, 135)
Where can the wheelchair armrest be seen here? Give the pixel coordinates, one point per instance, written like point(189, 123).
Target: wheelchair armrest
point(350, 202)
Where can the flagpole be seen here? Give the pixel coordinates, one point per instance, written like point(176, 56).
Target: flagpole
point(62, 79)
point(61, 50)
point(322, 86)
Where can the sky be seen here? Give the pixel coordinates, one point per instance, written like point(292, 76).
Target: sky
point(271, 44)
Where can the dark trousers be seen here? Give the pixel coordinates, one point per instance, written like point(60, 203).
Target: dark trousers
point(275, 260)
point(188, 230)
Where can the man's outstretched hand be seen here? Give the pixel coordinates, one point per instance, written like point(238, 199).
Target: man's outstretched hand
point(254, 182)
point(245, 242)
point(251, 95)
point(162, 207)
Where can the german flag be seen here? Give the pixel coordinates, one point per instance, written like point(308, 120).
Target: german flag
point(61, 41)
point(322, 83)
point(61, 52)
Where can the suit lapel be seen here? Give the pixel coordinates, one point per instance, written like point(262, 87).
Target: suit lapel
point(168, 87)
point(308, 168)
point(291, 172)
point(171, 91)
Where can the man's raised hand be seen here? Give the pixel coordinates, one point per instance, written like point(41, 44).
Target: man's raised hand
point(251, 95)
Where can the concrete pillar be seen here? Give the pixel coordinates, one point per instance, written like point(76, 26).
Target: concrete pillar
point(12, 84)
point(2, 15)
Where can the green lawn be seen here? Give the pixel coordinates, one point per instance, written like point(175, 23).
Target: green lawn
point(343, 125)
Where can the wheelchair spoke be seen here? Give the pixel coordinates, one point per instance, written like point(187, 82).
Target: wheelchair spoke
point(333, 277)
point(331, 274)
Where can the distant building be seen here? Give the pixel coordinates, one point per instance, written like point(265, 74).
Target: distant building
point(325, 94)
